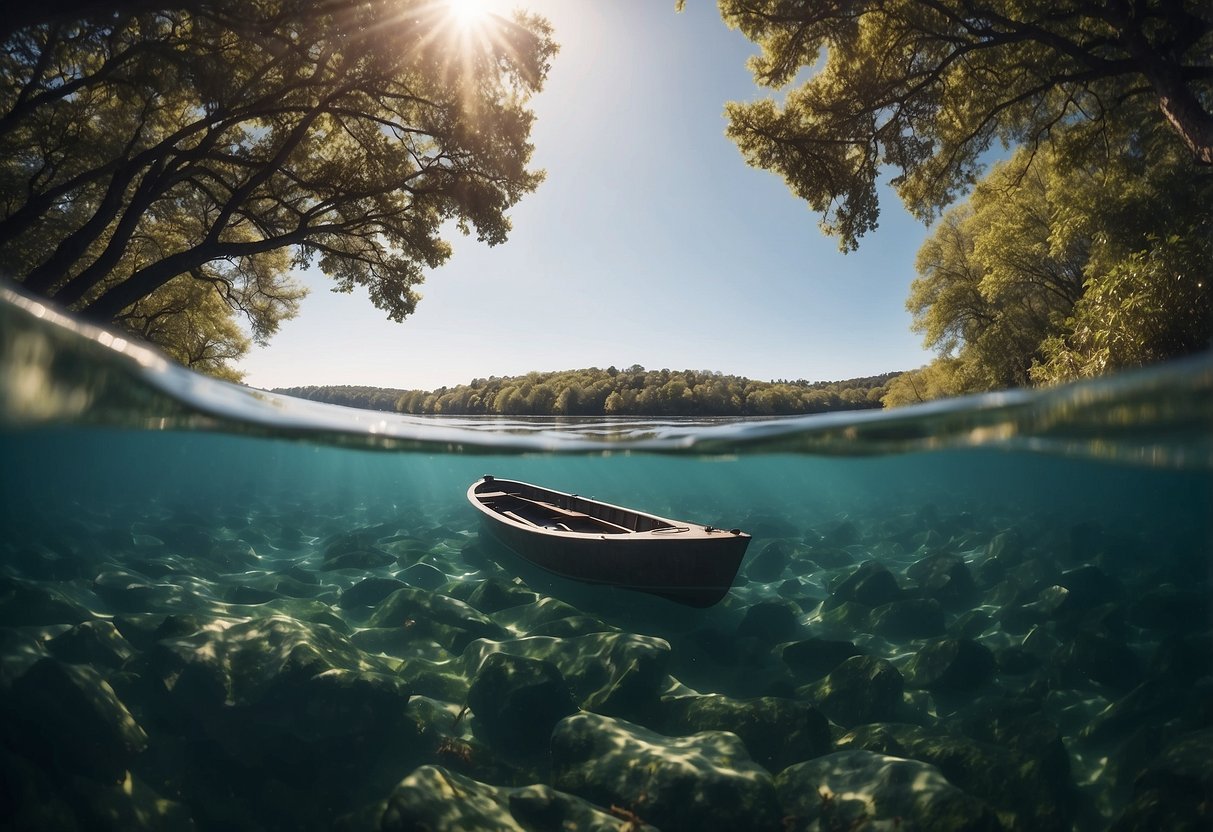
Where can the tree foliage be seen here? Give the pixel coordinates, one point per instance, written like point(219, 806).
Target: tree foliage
point(927, 86)
point(1065, 264)
point(225, 142)
point(611, 392)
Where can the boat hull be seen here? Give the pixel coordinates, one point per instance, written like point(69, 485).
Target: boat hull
point(682, 562)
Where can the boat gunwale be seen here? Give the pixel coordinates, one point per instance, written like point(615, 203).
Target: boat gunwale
point(673, 529)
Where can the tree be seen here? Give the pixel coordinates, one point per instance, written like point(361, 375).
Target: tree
point(145, 146)
point(926, 87)
point(1067, 265)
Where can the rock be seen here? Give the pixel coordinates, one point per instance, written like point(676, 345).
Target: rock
point(355, 540)
point(864, 790)
point(361, 559)
point(951, 664)
point(573, 625)
point(243, 594)
point(909, 619)
point(777, 732)
point(528, 617)
point(368, 592)
point(971, 624)
point(1170, 608)
point(1027, 791)
point(494, 594)
point(415, 640)
point(125, 591)
point(813, 658)
point(433, 798)
point(701, 783)
point(945, 578)
point(771, 621)
point(1175, 790)
point(92, 642)
point(872, 584)
point(844, 618)
point(1090, 586)
point(1007, 544)
point(1183, 658)
point(1101, 659)
point(862, 689)
point(615, 674)
point(421, 606)
point(831, 557)
point(1023, 727)
point(769, 564)
point(844, 533)
point(145, 629)
point(1152, 704)
point(68, 719)
point(423, 575)
point(247, 662)
point(517, 701)
point(1015, 661)
point(24, 605)
point(437, 680)
point(233, 555)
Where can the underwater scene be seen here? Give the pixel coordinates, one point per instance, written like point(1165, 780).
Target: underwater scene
point(221, 609)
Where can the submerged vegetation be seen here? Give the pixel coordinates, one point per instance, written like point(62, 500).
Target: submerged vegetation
point(634, 391)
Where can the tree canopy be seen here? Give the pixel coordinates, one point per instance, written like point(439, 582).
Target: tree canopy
point(226, 142)
point(1065, 267)
point(927, 86)
point(634, 391)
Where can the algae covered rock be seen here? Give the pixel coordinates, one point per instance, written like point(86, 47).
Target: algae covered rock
point(862, 689)
point(701, 783)
point(24, 604)
point(368, 592)
point(771, 621)
point(909, 619)
point(68, 719)
point(777, 732)
point(945, 578)
point(494, 594)
point(517, 701)
point(1030, 790)
point(1175, 790)
point(615, 674)
point(872, 584)
point(769, 564)
point(865, 790)
point(409, 606)
point(437, 799)
point(951, 664)
point(813, 658)
point(92, 642)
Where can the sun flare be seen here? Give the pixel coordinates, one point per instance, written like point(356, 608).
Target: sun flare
point(468, 12)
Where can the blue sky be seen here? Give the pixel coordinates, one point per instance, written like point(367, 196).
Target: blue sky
point(651, 242)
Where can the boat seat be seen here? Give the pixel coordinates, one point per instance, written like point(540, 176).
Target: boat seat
point(516, 516)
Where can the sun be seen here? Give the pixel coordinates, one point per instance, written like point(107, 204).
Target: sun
point(468, 12)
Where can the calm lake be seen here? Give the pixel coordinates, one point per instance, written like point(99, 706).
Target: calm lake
point(224, 609)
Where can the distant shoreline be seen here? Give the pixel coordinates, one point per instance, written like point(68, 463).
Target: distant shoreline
point(634, 391)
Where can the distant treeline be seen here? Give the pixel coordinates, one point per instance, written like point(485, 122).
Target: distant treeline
point(611, 392)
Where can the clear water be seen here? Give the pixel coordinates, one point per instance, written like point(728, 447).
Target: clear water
point(132, 491)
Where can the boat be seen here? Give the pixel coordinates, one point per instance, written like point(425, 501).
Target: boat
point(586, 540)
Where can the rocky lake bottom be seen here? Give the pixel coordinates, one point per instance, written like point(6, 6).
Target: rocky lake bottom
point(362, 665)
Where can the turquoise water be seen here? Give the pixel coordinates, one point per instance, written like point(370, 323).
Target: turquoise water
point(222, 609)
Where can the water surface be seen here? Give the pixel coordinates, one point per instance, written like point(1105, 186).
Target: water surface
point(225, 609)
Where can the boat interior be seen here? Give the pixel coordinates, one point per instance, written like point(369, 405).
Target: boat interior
point(533, 509)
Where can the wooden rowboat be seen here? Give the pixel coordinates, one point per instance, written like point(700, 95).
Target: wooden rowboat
point(599, 543)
